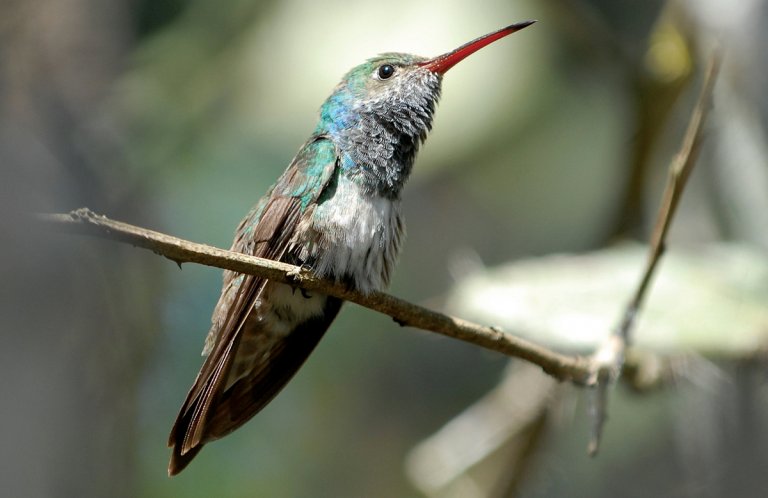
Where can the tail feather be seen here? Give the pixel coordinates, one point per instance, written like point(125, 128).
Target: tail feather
point(231, 408)
point(179, 462)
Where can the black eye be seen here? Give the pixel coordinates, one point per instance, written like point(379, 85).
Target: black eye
point(386, 71)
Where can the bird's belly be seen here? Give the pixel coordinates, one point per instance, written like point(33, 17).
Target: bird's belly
point(276, 314)
point(353, 236)
point(282, 307)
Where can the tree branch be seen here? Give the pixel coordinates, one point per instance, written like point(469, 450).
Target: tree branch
point(560, 366)
point(608, 360)
point(679, 171)
point(599, 370)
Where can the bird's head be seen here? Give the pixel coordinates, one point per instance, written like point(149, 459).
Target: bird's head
point(381, 111)
point(398, 90)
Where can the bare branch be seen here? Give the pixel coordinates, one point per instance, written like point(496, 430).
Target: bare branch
point(560, 366)
point(599, 370)
point(608, 360)
point(679, 171)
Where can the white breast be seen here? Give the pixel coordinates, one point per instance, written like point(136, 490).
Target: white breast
point(354, 235)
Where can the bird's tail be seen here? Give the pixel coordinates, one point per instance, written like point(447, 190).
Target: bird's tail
point(179, 462)
point(214, 409)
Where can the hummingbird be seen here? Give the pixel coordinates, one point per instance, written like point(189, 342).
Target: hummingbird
point(336, 211)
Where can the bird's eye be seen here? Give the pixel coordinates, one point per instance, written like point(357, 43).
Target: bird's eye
point(386, 71)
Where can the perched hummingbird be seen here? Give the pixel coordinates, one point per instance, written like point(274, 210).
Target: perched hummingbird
point(336, 210)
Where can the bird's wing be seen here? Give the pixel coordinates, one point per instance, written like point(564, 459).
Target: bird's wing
point(265, 232)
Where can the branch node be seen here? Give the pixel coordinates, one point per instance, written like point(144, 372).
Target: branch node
point(177, 261)
point(84, 214)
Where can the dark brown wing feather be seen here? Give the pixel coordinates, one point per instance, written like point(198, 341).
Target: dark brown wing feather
point(250, 394)
point(266, 232)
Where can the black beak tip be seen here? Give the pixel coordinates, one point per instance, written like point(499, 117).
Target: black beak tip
point(524, 24)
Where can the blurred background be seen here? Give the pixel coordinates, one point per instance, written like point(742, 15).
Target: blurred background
point(178, 114)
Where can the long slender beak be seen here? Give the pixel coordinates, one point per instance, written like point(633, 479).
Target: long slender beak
point(443, 63)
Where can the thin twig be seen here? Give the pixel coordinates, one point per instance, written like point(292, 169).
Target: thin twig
point(679, 171)
point(608, 360)
point(560, 366)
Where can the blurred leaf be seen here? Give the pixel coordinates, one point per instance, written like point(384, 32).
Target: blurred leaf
point(710, 300)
